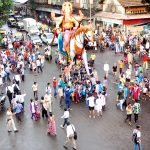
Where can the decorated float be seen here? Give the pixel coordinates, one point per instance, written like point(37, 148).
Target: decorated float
point(72, 35)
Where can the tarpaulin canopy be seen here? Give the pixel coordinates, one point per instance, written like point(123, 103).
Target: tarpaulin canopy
point(20, 1)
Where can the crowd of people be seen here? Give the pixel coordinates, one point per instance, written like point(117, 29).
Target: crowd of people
point(73, 84)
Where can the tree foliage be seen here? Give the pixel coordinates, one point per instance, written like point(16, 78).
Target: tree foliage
point(32, 4)
point(5, 7)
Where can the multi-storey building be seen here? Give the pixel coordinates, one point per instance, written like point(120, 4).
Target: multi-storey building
point(124, 13)
point(44, 8)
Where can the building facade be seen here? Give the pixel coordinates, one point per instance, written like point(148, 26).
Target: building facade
point(43, 8)
point(123, 13)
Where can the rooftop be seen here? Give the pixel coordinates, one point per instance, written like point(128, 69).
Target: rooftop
point(129, 3)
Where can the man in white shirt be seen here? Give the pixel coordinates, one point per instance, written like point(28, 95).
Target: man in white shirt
point(9, 93)
point(128, 75)
point(70, 130)
point(39, 66)
point(136, 138)
point(106, 69)
point(16, 88)
point(66, 117)
point(60, 94)
point(20, 98)
point(48, 88)
point(93, 80)
point(35, 90)
point(17, 79)
point(48, 100)
point(91, 102)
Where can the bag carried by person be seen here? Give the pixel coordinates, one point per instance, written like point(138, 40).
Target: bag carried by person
point(134, 138)
point(16, 90)
point(75, 133)
point(8, 91)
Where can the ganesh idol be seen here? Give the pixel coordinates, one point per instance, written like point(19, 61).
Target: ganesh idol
point(68, 23)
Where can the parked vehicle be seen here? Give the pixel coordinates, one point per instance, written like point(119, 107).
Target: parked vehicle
point(28, 23)
point(34, 30)
point(18, 18)
point(18, 36)
point(20, 26)
point(35, 39)
point(48, 37)
point(3, 32)
point(11, 22)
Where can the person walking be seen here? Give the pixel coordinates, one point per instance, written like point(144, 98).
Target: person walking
point(129, 113)
point(18, 111)
point(106, 69)
point(114, 70)
point(44, 107)
point(91, 103)
point(17, 79)
point(65, 117)
point(48, 88)
point(68, 93)
point(16, 88)
point(48, 100)
point(35, 90)
point(121, 64)
point(136, 110)
point(120, 99)
point(51, 125)
point(98, 105)
point(61, 95)
point(54, 86)
point(70, 130)
point(39, 65)
point(136, 138)
point(20, 98)
point(33, 109)
point(9, 93)
point(10, 121)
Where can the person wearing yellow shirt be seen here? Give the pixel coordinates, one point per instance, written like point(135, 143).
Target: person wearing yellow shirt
point(93, 57)
point(120, 66)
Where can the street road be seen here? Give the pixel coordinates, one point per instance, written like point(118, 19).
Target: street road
point(106, 133)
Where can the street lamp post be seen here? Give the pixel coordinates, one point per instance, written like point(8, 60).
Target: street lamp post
point(90, 8)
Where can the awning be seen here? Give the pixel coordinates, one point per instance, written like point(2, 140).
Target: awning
point(142, 24)
point(121, 16)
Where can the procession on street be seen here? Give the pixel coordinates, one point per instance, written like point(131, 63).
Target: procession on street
point(48, 76)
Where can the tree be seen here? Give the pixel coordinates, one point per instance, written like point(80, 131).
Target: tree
point(32, 4)
point(33, 7)
point(5, 7)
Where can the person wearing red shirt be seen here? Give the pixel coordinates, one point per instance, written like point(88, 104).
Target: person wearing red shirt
point(7, 52)
point(136, 92)
point(145, 62)
point(30, 47)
